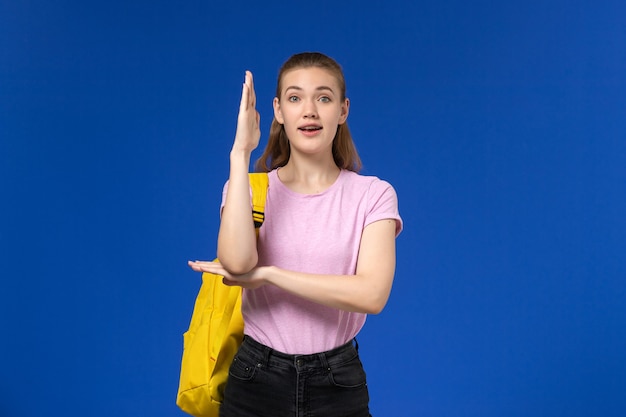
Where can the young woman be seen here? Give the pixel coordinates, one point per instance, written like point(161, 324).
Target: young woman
point(324, 258)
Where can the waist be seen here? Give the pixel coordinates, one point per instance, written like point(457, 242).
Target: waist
point(266, 355)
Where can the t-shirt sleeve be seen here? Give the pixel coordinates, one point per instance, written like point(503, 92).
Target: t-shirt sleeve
point(383, 204)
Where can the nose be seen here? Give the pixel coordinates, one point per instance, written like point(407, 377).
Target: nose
point(310, 110)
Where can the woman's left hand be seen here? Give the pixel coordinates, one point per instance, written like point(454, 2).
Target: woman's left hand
point(249, 280)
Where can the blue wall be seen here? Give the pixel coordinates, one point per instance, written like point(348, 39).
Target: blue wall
point(502, 126)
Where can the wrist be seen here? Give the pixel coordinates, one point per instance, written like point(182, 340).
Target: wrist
point(240, 159)
point(268, 273)
point(240, 153)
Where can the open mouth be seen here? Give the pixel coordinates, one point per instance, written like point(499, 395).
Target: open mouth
point(310, 128)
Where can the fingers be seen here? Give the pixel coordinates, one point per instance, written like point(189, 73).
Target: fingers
point(244, 281)
point(243, 104)
point(248, 95)
point(248, 120)
point(205, 266)
point(250, 82)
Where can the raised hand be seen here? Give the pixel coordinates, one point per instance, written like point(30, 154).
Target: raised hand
point(248, 131)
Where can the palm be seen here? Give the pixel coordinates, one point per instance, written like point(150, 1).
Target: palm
point(248, 131)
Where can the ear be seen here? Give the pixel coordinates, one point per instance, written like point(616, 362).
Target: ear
point(278, 115)
point(345, 109)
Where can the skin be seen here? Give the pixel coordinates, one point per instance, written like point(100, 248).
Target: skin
point(310, 97)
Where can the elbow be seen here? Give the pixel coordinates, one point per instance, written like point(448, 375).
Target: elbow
point(239, 270)
point(374, 305)
point(375, 301)
point(238, 265)
point(375, 308)
point(237, 254)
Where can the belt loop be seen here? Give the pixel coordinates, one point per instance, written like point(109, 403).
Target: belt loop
point(356, 344)
point(267, 351)
point(324, 361)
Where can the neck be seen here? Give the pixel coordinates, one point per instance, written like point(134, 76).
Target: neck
point(306, 176)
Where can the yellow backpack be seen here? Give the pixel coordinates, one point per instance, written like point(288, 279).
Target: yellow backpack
point(215, 331)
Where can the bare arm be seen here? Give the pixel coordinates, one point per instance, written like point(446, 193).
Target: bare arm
point(236, 242)
point(366, 292)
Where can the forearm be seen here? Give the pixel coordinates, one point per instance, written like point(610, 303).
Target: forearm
point(361, 293)
point(367, 291)
point(236, 243)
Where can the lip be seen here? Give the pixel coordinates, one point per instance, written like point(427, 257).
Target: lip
point(314, 125)
point(310, 133)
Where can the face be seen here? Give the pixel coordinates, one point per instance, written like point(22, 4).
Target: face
point(310, 108)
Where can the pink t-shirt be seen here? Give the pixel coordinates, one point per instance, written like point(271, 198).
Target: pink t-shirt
point(314, 233)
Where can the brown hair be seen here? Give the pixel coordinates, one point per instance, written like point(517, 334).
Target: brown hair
point(277, 151)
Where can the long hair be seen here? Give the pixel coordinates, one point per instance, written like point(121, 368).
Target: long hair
point(277, 151)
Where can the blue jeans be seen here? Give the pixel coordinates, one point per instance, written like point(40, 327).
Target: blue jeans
point(265, 383)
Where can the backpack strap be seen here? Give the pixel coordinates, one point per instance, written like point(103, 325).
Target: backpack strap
point(258, 182)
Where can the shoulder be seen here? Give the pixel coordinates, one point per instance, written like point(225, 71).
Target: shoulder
point(379, 196)
point(366, 183)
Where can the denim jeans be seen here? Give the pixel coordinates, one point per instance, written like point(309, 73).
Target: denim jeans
point(265, 383)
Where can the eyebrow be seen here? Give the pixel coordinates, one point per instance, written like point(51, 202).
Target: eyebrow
point(320, 88)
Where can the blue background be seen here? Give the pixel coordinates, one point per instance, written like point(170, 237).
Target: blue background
point(501, 124)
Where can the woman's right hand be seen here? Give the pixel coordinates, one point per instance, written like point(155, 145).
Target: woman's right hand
point(248, 130)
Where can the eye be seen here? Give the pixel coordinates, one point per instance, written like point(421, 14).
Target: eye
point(324, 99)
point(293, 99)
